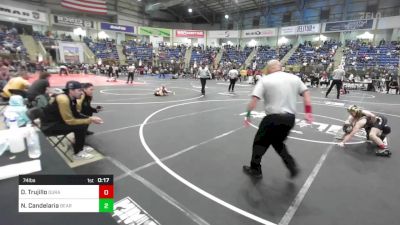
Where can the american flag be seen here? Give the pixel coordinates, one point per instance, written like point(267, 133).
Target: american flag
point(90, 6)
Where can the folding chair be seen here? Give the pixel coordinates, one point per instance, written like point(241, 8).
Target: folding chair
point(36, 113)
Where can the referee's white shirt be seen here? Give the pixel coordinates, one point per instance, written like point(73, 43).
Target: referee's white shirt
point(279, 91)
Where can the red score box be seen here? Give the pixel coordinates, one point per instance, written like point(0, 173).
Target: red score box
point(106, 191)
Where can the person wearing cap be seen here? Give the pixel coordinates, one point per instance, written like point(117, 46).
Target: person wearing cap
point(84, 103)
point(375, 126)
point(61, 117)
point(279, 91)
point(204, 73)
point(337, 81)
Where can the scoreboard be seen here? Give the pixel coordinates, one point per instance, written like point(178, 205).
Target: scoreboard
point(66, 193)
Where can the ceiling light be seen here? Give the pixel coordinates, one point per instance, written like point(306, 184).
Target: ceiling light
point(190, 10)
point(226, 16)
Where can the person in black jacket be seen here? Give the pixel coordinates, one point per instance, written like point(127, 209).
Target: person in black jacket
point(84, 103)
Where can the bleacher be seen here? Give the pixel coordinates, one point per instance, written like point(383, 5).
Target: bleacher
point(361, 55)
point(264, 54)
point(167, 54)
point(309, 54)
point(105, 49)
point(201, 56)
point(234, 55)
point(46, 40)
point(11, 43)
point(135, 52)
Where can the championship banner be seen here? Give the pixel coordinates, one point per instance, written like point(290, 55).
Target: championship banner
point(116, 27)
point(71, 52)
point(72, 21)
point(152, 31)
point(23, 15)
point(269, 32)
point(349, 25)
point(301, 29)
point(189, 33)
point(223, 34)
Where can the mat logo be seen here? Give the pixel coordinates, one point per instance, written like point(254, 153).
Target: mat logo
point(326, 128)
point(126, 211)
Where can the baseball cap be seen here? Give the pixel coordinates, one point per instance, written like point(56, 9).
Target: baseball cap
point(72, 85)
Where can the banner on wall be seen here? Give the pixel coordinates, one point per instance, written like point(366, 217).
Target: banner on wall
point(116, 27)
point(349, 25)
point(301, 29)
point(72, 21)
point(71, 52)
point(190, 33)
point(153, 31)
point(223, 34)
point(23, 15)
point(268, 32)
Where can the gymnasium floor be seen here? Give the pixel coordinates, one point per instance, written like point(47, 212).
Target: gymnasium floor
point(180, 158)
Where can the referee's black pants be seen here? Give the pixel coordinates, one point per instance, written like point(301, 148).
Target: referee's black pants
point(232, 84)
point(273, 130)
point(338, 84)
point(203, 85)
point(130, 77)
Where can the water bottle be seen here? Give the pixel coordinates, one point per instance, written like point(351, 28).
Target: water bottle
point(15, 136)
point(33, 144)
point(12, 122)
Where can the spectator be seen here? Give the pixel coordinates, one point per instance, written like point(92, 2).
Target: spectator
point(39, 88)
point(84, 103)
point(18, 85)
point(61, 117)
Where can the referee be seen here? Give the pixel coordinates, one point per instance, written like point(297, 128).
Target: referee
point(204, 74)
point(279, 91)
point(338, 76)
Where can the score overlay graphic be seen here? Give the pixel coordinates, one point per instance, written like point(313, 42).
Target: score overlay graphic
point(66, 193)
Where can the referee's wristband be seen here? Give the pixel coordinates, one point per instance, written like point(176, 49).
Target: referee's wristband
point(307, 109)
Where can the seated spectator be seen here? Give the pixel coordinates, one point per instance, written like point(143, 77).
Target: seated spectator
point(18, 85)
point(39, 89)
point(61, 117)
point(84, 103)
point(16, 109)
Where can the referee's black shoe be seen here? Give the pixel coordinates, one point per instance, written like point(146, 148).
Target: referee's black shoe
point(256, 173)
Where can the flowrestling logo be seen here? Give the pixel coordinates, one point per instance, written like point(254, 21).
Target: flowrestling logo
point(126, 211)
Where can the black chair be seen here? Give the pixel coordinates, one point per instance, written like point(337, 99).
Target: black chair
point(36, 113)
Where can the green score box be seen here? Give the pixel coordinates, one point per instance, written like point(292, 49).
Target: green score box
point(106, 205)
